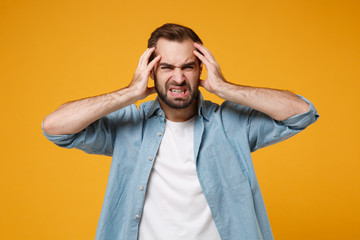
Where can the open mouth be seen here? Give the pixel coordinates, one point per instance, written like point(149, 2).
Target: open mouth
point(178, 92)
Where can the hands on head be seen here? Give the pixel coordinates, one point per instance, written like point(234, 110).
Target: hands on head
point(214, 78)
point(139, 83)
point(140, 80)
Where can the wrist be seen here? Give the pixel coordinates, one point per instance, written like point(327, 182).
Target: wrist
point(123, 97)
point(134, 93)
point(223, 89)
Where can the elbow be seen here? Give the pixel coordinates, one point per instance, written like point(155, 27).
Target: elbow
point(301, 107)
point(48, 126)
point(296, 109)
point(298, 106)
point(52, 126)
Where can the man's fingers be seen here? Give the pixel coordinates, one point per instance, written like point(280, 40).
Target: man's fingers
point(142, 56)
point(153, 62)
point(205, 51)
point(145, 57)
point(202, 58)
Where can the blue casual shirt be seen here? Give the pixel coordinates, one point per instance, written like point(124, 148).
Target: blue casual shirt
point(224, 137)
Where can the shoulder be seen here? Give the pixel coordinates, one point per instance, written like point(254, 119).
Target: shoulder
point(147, 106)
point(128, 113)
point(225, 109)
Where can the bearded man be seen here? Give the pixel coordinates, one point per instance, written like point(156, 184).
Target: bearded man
point(181, 166)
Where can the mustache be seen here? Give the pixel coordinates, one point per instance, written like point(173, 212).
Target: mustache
point(183, 84)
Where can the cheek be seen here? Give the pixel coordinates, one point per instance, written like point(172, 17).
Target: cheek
point(161, 77)
point(163, 74)
point(193, 76)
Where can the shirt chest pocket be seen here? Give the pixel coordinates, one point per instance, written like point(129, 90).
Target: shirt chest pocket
point(222, 166)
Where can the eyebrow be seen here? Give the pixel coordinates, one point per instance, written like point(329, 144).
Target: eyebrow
point(189, 64)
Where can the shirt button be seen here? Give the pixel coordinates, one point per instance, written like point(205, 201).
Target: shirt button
point(141, 188)
point(150, 158)
point(159, 134)
point(160, 113)
point(137, 216)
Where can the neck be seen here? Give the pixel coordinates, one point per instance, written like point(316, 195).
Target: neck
point(179, 115)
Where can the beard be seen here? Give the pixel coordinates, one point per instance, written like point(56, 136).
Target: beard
point(177, 103)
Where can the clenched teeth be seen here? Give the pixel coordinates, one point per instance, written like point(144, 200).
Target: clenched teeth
point(178, 91)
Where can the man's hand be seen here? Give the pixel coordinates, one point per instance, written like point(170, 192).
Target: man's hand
point(74, 116)
point(215, 79)
point(139, 83)
point(278, 104)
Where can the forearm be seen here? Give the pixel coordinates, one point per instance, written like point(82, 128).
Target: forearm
point(278, 104)
point(72, 117)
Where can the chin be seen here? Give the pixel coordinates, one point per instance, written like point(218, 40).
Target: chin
point(179, 103)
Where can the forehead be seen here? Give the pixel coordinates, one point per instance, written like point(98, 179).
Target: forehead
point(175, 53)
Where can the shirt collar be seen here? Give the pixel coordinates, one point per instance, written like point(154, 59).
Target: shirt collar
point(152, 108)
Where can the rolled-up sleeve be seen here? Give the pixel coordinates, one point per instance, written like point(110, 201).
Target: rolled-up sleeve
point(301, 121)
point(97, 138)
point(264, 131)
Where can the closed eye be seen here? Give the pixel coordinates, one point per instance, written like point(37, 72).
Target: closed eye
point(188, 67)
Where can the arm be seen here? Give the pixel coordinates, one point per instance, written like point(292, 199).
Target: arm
point(278, 104)
point(72, 117)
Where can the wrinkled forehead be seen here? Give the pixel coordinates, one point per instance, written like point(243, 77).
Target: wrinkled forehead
point(174, 52)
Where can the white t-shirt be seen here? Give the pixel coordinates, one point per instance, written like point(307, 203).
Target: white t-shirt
point(175, 207)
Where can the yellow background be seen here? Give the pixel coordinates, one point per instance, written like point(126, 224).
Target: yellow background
point(56, 51)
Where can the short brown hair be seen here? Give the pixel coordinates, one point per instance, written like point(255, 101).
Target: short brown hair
point(172, 32)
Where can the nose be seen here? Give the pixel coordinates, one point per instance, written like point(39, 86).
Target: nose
point(178, 76)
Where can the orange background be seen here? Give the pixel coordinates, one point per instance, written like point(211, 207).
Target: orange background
point(55, 51)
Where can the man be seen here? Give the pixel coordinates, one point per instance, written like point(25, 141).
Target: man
point(181, 166)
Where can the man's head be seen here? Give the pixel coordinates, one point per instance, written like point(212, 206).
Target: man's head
point(177, 74)
point(172, 32)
